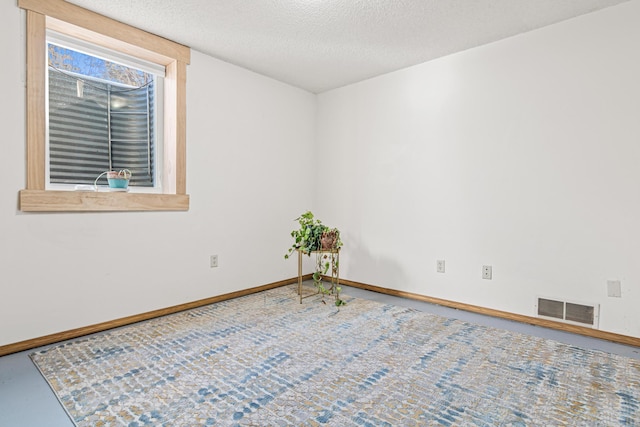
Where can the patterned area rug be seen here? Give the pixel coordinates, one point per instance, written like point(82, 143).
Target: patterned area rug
point(266, 360)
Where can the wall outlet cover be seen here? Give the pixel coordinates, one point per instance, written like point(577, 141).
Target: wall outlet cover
point(614, 289)
point(440, 266)
point(487, 272)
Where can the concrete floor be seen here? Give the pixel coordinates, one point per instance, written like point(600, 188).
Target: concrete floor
point(27, 401)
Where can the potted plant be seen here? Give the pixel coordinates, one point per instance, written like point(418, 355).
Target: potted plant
point(119, 179)
point(116, 179)
point(313, 236)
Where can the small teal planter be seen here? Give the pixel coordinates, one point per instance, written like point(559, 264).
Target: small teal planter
point(116, 179)
point(118, 182)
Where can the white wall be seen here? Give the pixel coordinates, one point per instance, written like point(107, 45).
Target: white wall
point(63, 271)
point(523, 154)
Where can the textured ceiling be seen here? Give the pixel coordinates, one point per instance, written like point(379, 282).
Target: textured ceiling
point(319, 45)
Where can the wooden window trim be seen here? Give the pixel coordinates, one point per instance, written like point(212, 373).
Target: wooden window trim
point(89, 26)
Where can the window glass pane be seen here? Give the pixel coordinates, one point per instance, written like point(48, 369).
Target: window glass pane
point(101, 117)
point(70, 60)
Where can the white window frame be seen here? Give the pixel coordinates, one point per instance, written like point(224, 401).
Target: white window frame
point(79, 23)
point(157, 70)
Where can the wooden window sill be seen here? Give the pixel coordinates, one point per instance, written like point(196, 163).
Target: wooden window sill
point(87, 201)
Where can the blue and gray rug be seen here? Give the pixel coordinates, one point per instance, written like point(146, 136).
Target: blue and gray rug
point(266, 360)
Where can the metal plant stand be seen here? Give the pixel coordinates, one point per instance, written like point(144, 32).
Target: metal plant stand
point(334, 271)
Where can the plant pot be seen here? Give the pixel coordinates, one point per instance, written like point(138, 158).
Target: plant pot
point(118, 179)
point(328, 240)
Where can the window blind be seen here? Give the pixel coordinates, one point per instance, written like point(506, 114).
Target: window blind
point(102, 127)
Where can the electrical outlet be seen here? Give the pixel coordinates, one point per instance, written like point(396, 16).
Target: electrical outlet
point(440, 266)
point(486, 272)
point(614, 289)
point(213, 261)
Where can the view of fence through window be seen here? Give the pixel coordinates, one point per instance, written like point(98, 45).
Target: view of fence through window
point(101, 117)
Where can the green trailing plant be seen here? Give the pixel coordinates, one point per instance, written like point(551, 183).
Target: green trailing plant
point(309, 236)
point(324, 262)
point(313, 236)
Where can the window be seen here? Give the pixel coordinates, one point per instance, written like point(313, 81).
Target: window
point(101, 114)
point(124, 110)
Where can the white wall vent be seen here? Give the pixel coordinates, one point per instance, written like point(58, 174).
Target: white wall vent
point(568, 312)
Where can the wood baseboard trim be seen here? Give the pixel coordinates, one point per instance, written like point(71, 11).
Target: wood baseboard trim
point(581, 330)
point(100, 327)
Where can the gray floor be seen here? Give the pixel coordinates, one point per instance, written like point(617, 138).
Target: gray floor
point(27, 401)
